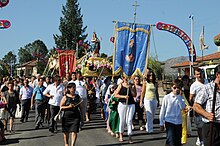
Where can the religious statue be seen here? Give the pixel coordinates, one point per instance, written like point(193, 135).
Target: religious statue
point(95, 45)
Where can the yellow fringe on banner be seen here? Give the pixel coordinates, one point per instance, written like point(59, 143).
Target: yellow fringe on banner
point(184, 127)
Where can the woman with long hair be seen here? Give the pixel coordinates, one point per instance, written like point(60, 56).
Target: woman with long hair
point(151, 99)
point(70, 105)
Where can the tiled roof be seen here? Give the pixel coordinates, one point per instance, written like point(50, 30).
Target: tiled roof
point(214, 56)
point(31, 63)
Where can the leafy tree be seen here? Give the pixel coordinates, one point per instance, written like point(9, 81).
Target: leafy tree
point(103, 55)
point(71, 28)
point(9, 61)
point(24, 54)
point(156, 66)
point(31, 51)
point(9, 58)
point(4, 69)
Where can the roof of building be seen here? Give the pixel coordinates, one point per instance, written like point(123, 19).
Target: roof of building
point(31, 63)
point(204, 59)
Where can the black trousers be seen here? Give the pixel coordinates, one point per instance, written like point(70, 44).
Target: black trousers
point(215, 134)
point(25, 108)
point(54, 111)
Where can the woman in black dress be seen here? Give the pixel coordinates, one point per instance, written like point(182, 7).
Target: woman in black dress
point(70, 105)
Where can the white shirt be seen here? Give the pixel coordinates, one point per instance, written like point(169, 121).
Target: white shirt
point(171, 109)
point(80, 88)
point(57, 92)
point(195, 86)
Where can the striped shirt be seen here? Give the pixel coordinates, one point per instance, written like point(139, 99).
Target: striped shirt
point(205, 98)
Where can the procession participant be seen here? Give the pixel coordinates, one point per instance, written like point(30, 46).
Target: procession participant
point(81, 91)
point(12, 99)
point(171, 116)
point(91, 100)
point(103, 90)
point(126, 107)
point(39, 100)
point(203, 105)
point(71, 116)
point(151, 99)
point(108, 95)
point(25, 96)
point(47, 82)
point(113, 119)
point(186, 91)
point(32, 82)
point(55, 93)
point(199, 82)
point(138, 109)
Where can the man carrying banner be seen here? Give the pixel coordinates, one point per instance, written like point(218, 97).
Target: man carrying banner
point(207, 104)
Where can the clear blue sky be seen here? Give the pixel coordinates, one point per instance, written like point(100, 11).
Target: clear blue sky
point(32, 20)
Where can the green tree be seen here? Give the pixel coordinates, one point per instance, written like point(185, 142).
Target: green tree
point(9, 61)
point(31, 51)
point(71, 28)
point(9, 58)
point(156, 66)
point(4, 69)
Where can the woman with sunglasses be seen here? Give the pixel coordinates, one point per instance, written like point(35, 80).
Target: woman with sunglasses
point(151, 99)
point(171, 115)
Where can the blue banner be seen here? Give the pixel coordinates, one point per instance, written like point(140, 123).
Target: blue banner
point(131, 45)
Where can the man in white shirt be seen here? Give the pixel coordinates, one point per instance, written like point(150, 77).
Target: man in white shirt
point(25, 96)
point(55, 92)
point(171, 116)
point(81, 90)
point(194, 88)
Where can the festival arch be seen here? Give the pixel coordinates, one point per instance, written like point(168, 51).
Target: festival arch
point(181, 34)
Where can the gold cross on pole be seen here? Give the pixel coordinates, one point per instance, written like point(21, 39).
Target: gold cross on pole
point(135, 9)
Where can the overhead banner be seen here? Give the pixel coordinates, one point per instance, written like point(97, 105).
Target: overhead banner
point(3, 3)
point(181, 34)
point(131, 45)
point(67, 61)
point(4, 24)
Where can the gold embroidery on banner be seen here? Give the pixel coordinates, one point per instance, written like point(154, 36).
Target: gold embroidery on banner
point(132, 30)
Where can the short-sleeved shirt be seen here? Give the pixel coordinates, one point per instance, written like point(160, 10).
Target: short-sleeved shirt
point(26, 93)
point(57, 92)
point(39, 92)
point(195, 86)
point(204, 97)
point(80, 88)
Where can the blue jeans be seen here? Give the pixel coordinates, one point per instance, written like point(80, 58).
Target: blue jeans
point(174, 134)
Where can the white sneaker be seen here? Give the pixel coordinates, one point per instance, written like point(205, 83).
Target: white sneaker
point(201, 143)
point(141, 128)
point(198, 141)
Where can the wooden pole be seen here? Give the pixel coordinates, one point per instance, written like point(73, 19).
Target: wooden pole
point(213, 111)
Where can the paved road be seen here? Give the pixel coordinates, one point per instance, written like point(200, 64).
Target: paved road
point(93, 134)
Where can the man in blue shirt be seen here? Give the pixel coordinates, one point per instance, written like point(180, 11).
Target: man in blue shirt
point(39, 100)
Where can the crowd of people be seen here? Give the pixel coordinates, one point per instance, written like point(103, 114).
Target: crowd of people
point(123, 103)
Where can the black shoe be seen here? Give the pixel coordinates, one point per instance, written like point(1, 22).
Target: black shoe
point(36, 127)
point(51, 130)
point(41, 124)
point(22, 121)
point(4, 139)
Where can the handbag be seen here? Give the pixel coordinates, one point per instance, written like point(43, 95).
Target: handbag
point(59, 116)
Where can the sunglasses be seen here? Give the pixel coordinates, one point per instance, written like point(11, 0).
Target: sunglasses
point(176, 88)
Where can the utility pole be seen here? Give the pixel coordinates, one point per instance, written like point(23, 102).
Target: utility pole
point(192, 51)
point(135, 9)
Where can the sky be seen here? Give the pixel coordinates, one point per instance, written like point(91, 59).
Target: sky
point(32, 20)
